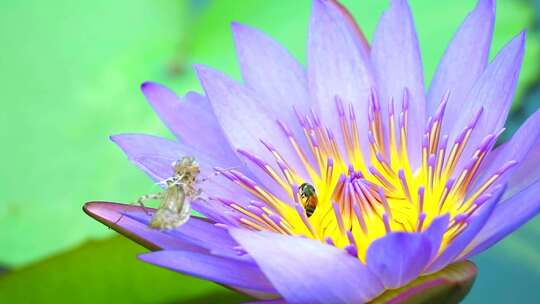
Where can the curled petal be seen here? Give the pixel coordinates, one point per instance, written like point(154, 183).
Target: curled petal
point(110, 214)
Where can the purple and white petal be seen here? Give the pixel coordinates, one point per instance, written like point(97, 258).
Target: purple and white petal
point(197, 231)
point(307, 271)
point(338, 65)
point(221, 270)
point(155, 155)
point(518, 149)
point(435, 233)
point(111, 215)
point(191, 120)
point(493, 91)
point(508, 216)
point(474, 225)
point(274, 74)
point(398, 257)
point(463, 62)
point(247, 120)
point(268, 302)
point(397, 64)
point(271, 71)
point(416, 250)
point(527, 172)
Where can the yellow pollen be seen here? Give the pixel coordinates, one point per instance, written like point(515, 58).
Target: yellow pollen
point(351, 201)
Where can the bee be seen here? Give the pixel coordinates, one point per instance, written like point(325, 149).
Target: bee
point(309, 198)
point(180, 189)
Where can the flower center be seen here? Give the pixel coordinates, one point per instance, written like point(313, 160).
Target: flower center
point(351, 197)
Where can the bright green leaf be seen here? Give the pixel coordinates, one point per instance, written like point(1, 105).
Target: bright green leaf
point(107, 272)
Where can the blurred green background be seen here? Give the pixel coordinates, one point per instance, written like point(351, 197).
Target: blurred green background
point(70, 73)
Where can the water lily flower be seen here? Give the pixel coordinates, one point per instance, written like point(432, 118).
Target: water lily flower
point(405, 181)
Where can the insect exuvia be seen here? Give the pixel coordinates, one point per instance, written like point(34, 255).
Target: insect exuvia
point(175, 200)
point(309, 198)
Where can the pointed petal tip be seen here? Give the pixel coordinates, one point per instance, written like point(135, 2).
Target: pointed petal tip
point(147, 85)
point(203, 72)
point(517, 42)
point(523, 35)
point(237, 27)
point(397, 3)
point(120, 138)
point(114, 138)
point(131, 222)
point(90, 207)
point(200, 67)
point(104, 211)
point(93, 208)
point(145, 257)
point(485, 5)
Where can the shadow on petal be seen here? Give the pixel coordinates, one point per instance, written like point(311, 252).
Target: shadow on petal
point(447, 286)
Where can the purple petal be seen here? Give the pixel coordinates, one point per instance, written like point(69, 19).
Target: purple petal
point(449, 285)
point(222, 270)
point(518, 148)
point(435, 233)
point(458, 244)
point(191, 120)
point(526, 174)
point(398, 65)
point(508, 216)
point(110, 214)
point(359, 36)
point(268, 302)
point(166, 104)
point(463, 62)
point(246, 120)
point(398, 257)
point(271, 71)
point(338, 65)
point(306, 271)
point(277, 77)
point(196, 231)
point(493, 91)
point(155, 155)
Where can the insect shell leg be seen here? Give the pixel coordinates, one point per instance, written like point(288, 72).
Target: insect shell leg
point(148, 197)
point(140, 202)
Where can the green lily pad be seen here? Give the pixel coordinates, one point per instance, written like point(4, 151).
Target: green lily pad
point(107, 271)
